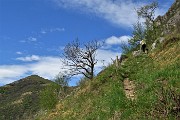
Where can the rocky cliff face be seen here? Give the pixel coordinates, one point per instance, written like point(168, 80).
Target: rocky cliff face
point(171, 19)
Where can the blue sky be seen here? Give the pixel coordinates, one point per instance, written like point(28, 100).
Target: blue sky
point(34, 32)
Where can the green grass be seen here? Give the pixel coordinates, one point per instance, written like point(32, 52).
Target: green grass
point(157, 89)
point(149, 78)
point(49, 96)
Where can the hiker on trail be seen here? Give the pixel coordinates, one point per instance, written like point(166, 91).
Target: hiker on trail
point(143, 45)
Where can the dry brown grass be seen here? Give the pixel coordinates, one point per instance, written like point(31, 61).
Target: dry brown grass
point(168, 55)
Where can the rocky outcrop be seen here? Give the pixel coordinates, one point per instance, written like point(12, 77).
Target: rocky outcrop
point(159, 40)
point(171, 19)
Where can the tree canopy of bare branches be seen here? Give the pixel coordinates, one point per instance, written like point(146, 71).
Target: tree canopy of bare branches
point(81, 59)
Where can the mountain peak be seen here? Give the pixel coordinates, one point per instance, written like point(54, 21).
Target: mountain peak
point(31, 79)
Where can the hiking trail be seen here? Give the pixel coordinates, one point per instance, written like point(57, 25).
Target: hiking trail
point(129, 89)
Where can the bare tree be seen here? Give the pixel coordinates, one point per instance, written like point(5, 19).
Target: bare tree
point(81, 60)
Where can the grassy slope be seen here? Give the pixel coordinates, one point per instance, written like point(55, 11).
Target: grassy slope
point(156, 76)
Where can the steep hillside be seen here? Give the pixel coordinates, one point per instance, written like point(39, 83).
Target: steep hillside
point(20, 99)
point(146, 86)
point(156, 77)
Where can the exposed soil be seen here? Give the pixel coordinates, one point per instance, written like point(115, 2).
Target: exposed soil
point(129, 89)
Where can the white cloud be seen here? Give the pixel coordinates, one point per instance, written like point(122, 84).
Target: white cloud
point(119, 12)
point(9, 73)
point(32, 39)
point(46, 67)
point(106, 56)
point(11, 70)
point(113, 40)
point(29, 40)
point(45, 31)
point(29, 58)
point(57, 30)
point(19, 53)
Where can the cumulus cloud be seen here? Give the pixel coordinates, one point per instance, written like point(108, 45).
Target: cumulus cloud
point(29, 58)
point(113, 40)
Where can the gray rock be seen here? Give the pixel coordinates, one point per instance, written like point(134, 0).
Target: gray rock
point(161, 39)
point(153, 45)
point(136, 53)
point(170, 19)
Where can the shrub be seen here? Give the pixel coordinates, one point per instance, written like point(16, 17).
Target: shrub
point(62, 79)
point(49, 96)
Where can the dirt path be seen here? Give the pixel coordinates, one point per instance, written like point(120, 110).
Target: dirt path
point(129, 89)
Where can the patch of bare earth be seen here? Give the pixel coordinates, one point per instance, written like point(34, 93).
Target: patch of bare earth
point(129, 89)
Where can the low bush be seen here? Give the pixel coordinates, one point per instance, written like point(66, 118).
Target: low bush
point(49, 96)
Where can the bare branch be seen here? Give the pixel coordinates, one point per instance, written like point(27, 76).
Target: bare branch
point(81, 60)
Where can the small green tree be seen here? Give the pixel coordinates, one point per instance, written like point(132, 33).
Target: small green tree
point(126, 48)
point(138, 34)
point(145, 30)
point(147, 12)
point(62, 79)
